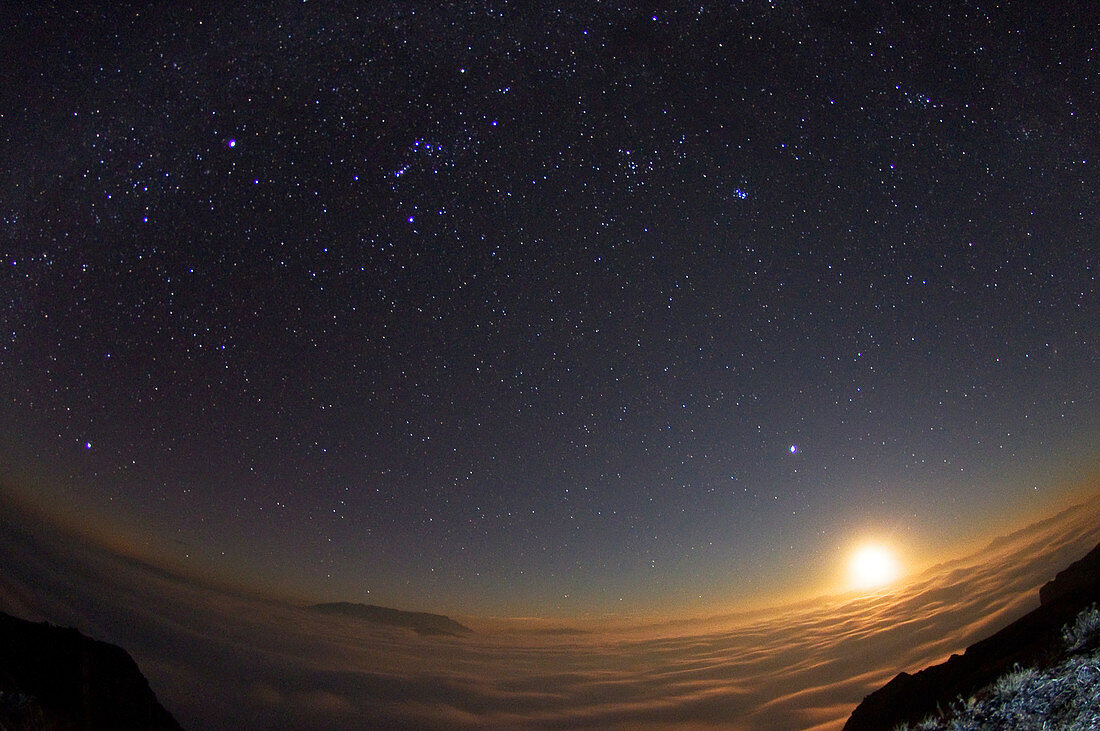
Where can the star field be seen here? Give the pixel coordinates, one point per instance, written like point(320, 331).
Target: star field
point(560, 309)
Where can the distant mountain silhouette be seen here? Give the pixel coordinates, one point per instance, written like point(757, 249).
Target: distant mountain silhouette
point(55, 678)
point(1033, 640)
point(422, 623)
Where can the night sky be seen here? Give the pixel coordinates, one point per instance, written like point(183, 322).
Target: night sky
point(546, 309)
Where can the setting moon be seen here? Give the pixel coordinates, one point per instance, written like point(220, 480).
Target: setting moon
point(873, 565)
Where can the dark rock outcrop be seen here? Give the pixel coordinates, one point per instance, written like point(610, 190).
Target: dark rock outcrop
point(422, 623)
point(1077, 584)
point(1033, 640)
point(56, 678)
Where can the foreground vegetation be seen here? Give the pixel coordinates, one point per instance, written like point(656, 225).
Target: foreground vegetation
point(1063, 695)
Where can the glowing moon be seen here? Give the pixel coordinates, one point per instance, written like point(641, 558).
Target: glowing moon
point(872, 566)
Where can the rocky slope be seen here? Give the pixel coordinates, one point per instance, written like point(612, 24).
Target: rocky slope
point(56, 678)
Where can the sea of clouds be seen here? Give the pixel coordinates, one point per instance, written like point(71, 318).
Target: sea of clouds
point(220, 659)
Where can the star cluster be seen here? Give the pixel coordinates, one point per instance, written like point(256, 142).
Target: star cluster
point(481, 306)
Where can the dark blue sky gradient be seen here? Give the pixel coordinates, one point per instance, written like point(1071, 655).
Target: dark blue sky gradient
point(495, 308)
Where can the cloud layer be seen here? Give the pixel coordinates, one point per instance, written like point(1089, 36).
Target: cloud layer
point(219, 659)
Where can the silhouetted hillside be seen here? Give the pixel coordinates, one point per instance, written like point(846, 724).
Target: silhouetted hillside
point(55, 678)
point(1033, 640)
point(421, 622)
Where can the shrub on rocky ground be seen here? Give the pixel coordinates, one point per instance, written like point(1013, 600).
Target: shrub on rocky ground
point(1065, 695)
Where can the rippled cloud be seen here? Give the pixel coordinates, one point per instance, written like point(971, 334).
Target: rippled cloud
point(219, 659)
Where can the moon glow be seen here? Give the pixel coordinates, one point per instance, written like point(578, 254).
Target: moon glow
point(872, 566)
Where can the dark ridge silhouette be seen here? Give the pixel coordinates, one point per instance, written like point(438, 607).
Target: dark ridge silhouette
point(1033, 640)
point(56, 678)
point(422, 623)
